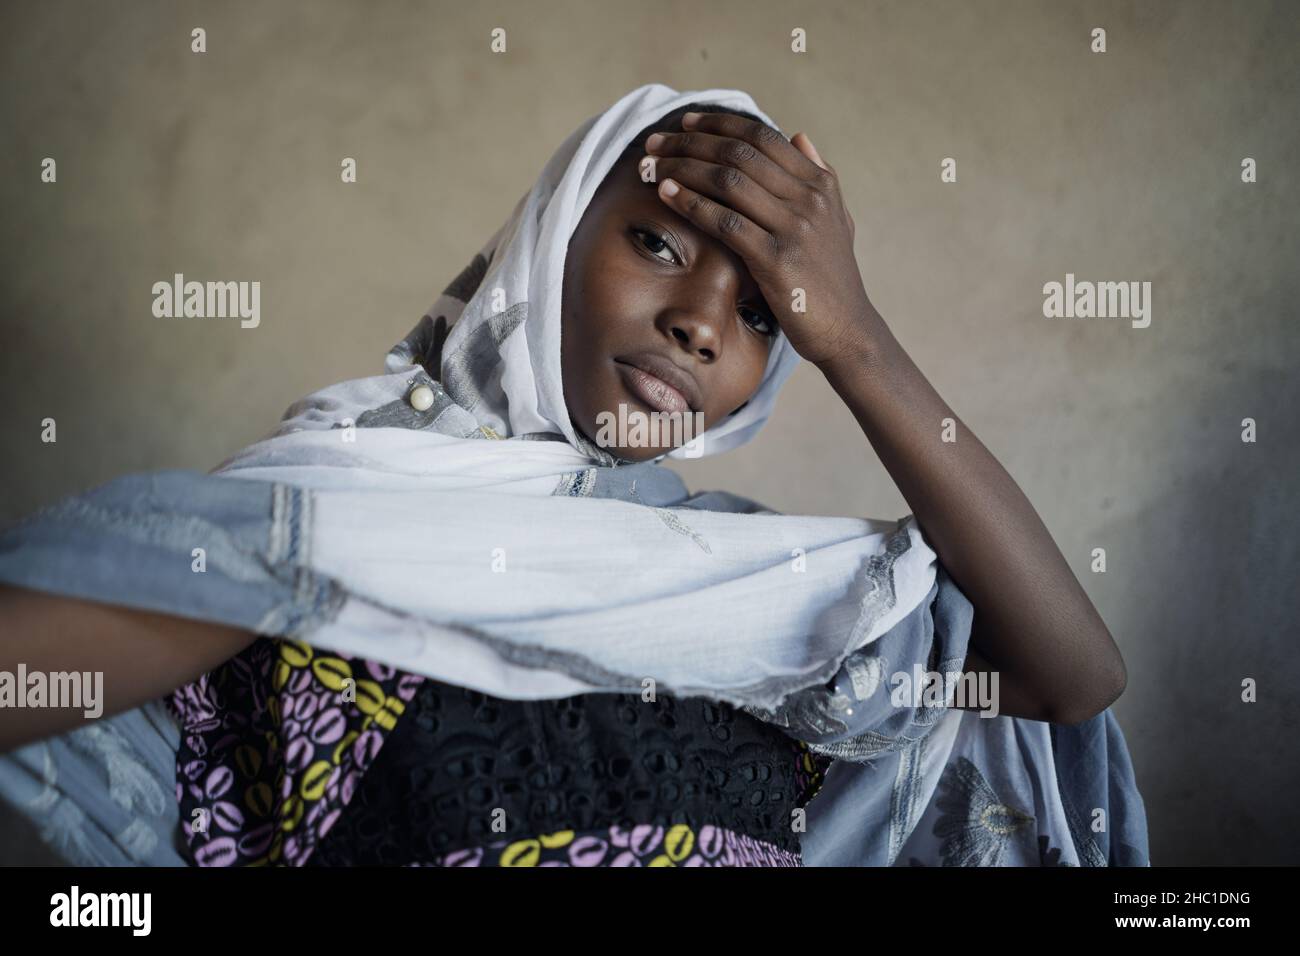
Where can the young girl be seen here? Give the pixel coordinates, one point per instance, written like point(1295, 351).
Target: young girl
point(424, 642)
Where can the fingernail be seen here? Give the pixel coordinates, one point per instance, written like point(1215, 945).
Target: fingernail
point(654, 141)
point(668, 187)
point(690, 119)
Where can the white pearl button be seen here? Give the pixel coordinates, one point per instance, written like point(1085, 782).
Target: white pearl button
point(421, 397)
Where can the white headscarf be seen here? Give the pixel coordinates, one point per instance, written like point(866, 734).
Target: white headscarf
point(489, 564)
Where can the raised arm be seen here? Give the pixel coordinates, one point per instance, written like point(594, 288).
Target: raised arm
point(1034, 624)
point(778, 205)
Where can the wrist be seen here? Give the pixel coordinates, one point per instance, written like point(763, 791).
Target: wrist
point(860, 347)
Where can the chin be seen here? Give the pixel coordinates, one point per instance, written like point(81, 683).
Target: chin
point(638, 454)
point(660, 436)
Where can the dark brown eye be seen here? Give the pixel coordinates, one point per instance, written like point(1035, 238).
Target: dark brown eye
point(656, 238)
point(768, 326)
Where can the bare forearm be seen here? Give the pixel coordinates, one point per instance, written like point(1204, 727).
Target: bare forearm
point(142, 655)
point(1033, 621)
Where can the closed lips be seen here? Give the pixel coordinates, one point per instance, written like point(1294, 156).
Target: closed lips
point(668, 374)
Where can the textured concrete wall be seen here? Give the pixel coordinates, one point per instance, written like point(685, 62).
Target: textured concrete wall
point(1115, 166)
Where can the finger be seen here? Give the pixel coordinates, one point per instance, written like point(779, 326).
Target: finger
point(811, 152)
point(749, 240)
point(806, 146)
point(762, 137)
point(728, 151)
point(726, 185)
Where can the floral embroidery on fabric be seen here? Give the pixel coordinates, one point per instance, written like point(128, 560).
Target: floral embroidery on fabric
point(976, 827)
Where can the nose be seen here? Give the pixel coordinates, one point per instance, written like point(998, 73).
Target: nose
point(700, 325)
point(698, 337)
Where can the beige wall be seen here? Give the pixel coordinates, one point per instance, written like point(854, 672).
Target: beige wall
point(1117, 166)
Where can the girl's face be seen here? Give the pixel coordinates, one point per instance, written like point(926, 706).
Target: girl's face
point(639, 280)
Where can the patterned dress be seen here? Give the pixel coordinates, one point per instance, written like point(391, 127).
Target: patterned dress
point(291, 755)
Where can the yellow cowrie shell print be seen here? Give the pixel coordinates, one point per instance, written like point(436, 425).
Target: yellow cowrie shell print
point(678, 842)
point(387, 718)
point(331, 671)
point(295, 653)
point(370, 697)
point(523, 853)
point(292, 813)
point(342, 746)
point(314, 780)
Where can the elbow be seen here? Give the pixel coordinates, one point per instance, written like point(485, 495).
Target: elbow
point(1104, 690)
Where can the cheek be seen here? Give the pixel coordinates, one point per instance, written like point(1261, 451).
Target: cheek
point(741, 383)
point(582, 355)
point(612, 295)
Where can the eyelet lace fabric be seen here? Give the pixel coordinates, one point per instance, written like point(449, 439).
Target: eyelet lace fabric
point(590, 780)
point(294, 756)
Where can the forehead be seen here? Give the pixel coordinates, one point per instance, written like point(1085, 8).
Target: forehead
point(623, 194)
point(622, 186)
